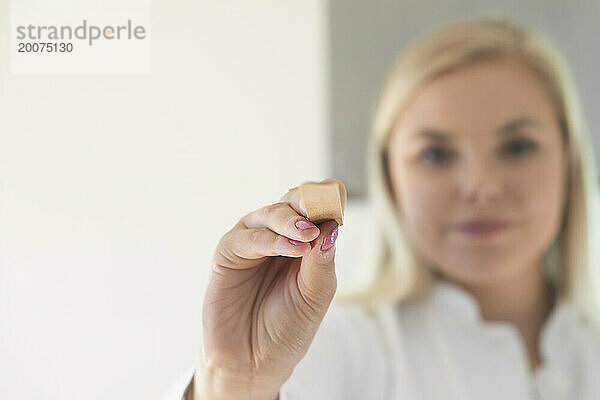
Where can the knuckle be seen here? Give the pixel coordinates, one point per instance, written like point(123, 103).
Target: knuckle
point(279, 205)
point(277, 238)
point(223, 241)
point(266, 210)
point(223, 255)
point(244, 221)
point(271, 209)
point(255, 236)
point(281, 209)
point(245, 217)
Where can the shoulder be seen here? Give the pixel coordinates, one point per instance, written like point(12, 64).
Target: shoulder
point(581, 329)
point(346, 359)
point(588, 337)
point(587, 342)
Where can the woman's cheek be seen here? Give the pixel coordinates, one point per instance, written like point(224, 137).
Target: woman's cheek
point(540, 194)
point(424, 206)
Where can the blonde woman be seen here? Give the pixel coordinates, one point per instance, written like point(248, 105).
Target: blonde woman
point(484, 188)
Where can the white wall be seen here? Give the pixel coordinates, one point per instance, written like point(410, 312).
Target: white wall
point(114, 190)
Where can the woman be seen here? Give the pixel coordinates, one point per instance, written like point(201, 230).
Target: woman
point(483, 182)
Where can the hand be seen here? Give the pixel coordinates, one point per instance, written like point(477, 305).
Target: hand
point(265, 299)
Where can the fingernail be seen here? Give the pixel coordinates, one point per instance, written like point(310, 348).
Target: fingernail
point(303, 225)
point(329, 241)
point(296, 242)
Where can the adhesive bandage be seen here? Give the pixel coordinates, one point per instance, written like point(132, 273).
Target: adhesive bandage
point(323, 202)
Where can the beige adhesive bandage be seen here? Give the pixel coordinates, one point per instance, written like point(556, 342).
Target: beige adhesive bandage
point(322, 201)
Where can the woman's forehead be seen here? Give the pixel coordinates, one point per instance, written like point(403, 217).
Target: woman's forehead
point(481, 97)
point(428, 132)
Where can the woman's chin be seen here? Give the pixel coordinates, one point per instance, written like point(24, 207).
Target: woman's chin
point(480, 273)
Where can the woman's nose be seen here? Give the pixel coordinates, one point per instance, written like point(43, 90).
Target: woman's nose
point(481, 183)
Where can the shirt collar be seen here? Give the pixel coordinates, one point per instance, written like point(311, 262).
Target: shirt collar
point(450, 298)
point(556, 336)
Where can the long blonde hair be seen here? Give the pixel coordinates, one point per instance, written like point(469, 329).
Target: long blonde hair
point(572, 262)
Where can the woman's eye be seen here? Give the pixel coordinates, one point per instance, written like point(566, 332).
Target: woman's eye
point(440, 155)
point(435, 155)
point(519, 147)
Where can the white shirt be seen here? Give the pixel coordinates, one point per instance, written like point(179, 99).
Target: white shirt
point(438, 347)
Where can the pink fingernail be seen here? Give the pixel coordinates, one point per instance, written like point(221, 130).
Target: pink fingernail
point(329, 241)
point(303, 225)
point(296, 242)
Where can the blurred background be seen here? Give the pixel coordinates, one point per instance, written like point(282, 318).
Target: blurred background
point(115, 188)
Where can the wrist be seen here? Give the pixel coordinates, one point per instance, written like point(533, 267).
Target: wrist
point(218, 384)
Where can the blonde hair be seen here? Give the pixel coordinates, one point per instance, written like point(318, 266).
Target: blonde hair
point(569, 262)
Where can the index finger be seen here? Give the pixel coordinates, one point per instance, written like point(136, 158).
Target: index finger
point(293, 198)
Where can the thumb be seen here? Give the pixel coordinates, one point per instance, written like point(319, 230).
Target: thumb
point(316, 279)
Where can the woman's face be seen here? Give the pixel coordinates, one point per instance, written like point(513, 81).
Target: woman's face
point(480, 143)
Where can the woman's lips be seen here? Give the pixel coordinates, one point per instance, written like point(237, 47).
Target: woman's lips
point(482, 227)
